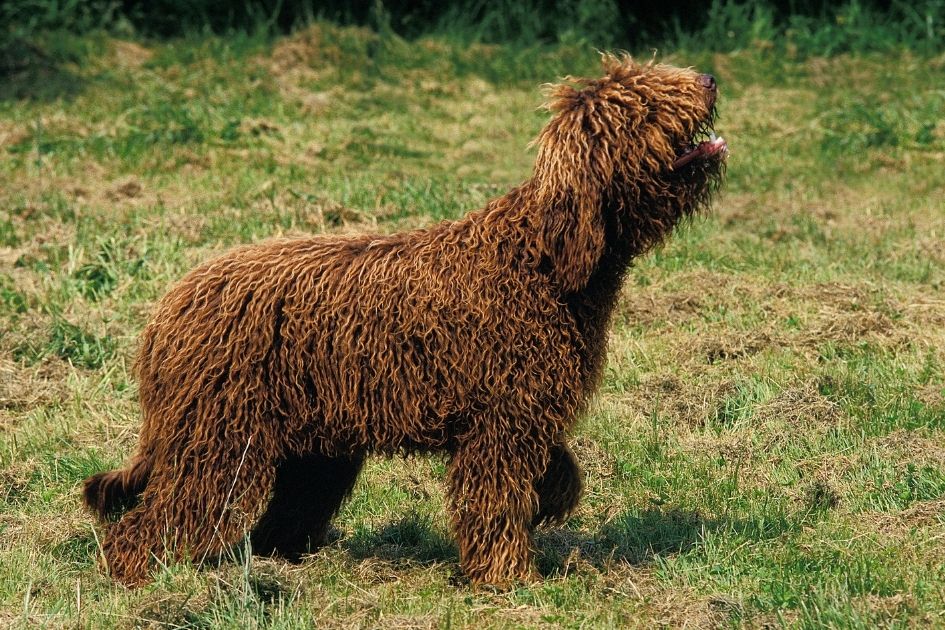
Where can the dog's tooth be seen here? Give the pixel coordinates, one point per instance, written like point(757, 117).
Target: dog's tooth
point(712, 136)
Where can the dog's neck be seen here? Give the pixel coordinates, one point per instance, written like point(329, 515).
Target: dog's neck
point(522, 227)
point(602, 266)
point(539, 233)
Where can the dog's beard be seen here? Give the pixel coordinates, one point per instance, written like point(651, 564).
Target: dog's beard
point(697, 184)
point(651, 212)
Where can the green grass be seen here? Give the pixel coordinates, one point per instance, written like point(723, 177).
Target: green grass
point(767, 444)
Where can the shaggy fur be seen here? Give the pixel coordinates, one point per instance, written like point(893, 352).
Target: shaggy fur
point(268, 375)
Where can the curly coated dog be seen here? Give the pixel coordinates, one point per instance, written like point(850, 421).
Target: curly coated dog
point(269, 374)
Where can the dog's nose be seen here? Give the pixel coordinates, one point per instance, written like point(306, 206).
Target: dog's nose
point(708, 82)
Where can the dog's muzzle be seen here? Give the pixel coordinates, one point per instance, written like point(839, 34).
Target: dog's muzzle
point(715, 146)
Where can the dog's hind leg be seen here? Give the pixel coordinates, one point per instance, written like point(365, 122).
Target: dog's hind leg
point(196, 506)
point(308, 491)
point(559, 488)
point(493, 501)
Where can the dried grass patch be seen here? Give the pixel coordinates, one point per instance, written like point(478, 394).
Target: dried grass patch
point(821, 314)
point(800, 407)
point(923, 515)
point(911, 447)
point(128, 55)
point(682, 403)
point(24, 388)
point(12, 133)
point(305, 58)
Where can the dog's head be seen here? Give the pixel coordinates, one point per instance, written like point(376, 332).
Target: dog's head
point(625, 156)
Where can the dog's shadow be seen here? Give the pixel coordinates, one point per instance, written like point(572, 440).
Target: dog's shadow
point(415, 539)
point(634, 537)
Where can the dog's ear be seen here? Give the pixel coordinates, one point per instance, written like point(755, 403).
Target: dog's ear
point(572, 237)
point(570, 172)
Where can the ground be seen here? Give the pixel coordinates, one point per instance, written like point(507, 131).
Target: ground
point(767, 447)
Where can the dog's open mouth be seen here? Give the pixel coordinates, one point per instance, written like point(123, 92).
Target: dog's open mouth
point(714, 146)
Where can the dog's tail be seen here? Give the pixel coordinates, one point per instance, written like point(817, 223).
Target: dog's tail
point(111, 493)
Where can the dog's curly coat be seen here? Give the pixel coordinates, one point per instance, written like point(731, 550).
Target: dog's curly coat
point(267, 375)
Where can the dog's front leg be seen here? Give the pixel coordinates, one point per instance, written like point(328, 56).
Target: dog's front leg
point(493, 501)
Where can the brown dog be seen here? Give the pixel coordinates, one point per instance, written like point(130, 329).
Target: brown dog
point(267, 375)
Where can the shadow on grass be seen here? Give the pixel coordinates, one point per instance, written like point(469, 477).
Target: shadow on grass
point(77, 552)
point(29, 73)
point(413, 540)
point(637, 537)
point(634, 537)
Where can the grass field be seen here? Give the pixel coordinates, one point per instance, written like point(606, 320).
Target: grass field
point(768, 446)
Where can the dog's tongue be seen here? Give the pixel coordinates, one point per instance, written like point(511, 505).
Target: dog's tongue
point(713, 146)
